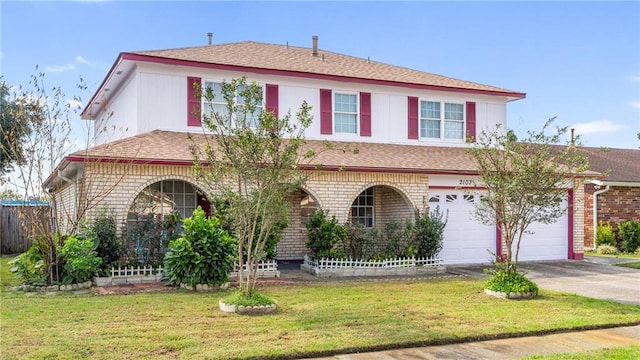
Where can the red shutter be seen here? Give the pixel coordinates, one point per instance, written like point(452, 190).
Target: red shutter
point(471, 121)
point(412, 104)
point(194, 106)
point(365, 114)
point(326, 114)
point(272, 99)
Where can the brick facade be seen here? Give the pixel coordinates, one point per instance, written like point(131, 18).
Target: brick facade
point(395, 197)
point(579, 214)
point(589, 189)
point(618, 205)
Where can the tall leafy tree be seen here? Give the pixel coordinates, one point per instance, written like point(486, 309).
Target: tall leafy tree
point(252, 160)
point(526, 182)
point(16, 116)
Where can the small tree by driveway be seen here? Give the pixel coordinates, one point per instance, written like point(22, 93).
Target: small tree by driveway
point(526, 182)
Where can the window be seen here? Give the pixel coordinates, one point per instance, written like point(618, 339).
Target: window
point(362, 209)
point(441, 120)
point(218, 105)
point(165, 197)
point(345, 113)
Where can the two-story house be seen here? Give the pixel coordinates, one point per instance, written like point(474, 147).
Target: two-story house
point(410, 128)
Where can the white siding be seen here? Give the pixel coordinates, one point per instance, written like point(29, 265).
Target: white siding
point(163, 102)
point(120, 118)
point(162, 94)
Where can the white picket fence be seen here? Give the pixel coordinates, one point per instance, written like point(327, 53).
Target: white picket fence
point(325, 263)
point(271, 265)
point(130, 275)
point(135, 271)
point(356, 267)
point(266, 269)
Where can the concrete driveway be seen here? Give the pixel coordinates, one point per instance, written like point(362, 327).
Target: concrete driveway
point(593, 277)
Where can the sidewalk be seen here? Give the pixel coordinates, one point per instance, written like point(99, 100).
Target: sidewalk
point(513, 348)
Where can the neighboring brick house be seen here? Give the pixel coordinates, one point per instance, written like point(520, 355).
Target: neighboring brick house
point(410, 129)
point(617, 193)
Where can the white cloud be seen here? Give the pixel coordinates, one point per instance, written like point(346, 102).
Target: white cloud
point(74, 104)
point(61, 68)
point(81, 60)
point(597, 126)
point(1, 55)
point(635, 78)
point(634, 104)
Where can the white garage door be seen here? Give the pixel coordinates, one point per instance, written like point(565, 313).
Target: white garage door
point(466, 240)
point(546, 241)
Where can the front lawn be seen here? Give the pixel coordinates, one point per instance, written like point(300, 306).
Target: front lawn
point(633, 265)
point(618, 256)
point(314, 319)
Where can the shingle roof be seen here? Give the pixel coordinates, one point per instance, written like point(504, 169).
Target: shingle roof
point(620, 164)
point(168, 147)
point(252, 54)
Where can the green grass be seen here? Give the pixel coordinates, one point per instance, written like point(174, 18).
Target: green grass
point(619, 256)
point(633, 265)
point(313, 319)
point(618, 353)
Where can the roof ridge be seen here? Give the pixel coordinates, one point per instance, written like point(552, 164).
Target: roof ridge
point(158, 53)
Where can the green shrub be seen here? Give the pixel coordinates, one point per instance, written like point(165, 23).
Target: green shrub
point(604, 234)
point(396, 236)
point(510, 281)
point(629, 232)
point(205, 254)
point(324, 234)
point(607, 250)
point(80, 260)
point(428, 233)
point(361, 242)
point(103, 232)
point(29, 267)
point(254, 299)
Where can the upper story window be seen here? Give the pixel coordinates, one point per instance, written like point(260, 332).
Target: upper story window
point(345, 113)
point(218, 104)
point(441, 120)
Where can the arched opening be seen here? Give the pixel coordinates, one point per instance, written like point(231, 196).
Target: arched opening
point(156, 215)
point(293, 246)
point(379, 205)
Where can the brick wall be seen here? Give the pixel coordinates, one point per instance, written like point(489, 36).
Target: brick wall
point(118, 185)
point(396, 195)
point(578, 218)
point(618, 205)
point(589, 189)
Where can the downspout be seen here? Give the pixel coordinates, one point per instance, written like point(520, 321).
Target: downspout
point(75, 192)
point(595, 212)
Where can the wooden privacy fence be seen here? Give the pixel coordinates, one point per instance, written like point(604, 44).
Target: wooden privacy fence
point(17, 221)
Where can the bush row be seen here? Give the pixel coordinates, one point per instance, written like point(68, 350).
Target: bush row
point(628, 232)
point(421, 237)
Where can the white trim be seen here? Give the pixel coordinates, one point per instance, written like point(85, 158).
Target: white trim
point(595, 212)
point(615, 183)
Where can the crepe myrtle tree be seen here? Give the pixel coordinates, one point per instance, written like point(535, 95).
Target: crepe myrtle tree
point(251, 159)
point(526, 182)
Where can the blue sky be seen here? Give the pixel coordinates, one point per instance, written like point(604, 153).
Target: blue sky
point(579, 61)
